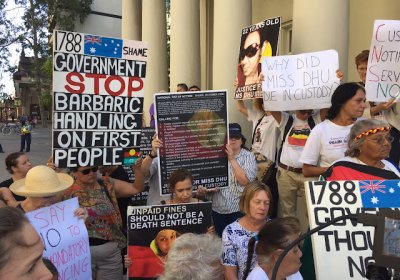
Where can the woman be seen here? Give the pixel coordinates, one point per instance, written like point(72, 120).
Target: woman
point(255, 203)
point(17, 164)
point(42, 187)
point(180, 183)
point(272, 240)
point(21, 248)
point(368, 146)
point(253, 47)
point(243, 170)
point(265, 142)
point(104, 221)
point(328, 140)
point(163, 242)
point(195, 257)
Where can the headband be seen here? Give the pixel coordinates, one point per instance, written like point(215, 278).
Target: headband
point(372, 131)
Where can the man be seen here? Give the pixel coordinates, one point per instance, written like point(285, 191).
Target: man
point(20, 247)
point(26, 137)
point(182, 87)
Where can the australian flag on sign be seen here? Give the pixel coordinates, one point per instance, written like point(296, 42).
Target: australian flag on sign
point(380, 193)
point(103, 46)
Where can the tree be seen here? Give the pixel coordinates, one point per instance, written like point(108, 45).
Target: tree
point(39, 19)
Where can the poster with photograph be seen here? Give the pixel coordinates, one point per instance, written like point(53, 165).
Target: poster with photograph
point(193, 128)
point(98, 85)
point(65, 239)
point(153, 229)
point(257, 41)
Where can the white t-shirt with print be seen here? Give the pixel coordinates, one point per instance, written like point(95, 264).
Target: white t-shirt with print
point(295, 139)
point(266, 136)
point(259, 274)
point(326, 144)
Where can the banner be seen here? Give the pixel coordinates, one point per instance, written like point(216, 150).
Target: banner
point(153, 229)
point(299, 82)
point(383, 74)
point(257, 41)
point(65, 239)
point(98, 85)
point(343, 250)
point(193, 129)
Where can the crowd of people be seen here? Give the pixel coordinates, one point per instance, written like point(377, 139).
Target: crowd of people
point(249, 231)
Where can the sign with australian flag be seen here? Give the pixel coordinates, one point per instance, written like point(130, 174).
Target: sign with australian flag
point(98, 85)
point(347, 242)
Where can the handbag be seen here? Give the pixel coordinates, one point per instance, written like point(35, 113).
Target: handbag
point(265, 167)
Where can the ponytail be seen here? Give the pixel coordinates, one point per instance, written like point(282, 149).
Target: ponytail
point(250, 253)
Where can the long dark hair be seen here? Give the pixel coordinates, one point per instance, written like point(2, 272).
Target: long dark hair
point(341, 95)
point(274, 235)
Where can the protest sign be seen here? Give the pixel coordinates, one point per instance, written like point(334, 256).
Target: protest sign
point(193, 129)
point(346, 244)
point(153, 229)
point(258, 40)
point(298, 82)
point(65, 239)
point(383, 73)
point(98, 99)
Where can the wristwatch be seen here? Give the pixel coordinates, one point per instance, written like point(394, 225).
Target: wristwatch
point(150, 155)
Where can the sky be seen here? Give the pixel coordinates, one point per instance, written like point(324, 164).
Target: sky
point(15, 14)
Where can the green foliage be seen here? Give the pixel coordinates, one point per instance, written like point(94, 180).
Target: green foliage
point(45, 100)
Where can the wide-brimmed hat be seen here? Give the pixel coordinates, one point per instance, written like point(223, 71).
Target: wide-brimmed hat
point(41, 181)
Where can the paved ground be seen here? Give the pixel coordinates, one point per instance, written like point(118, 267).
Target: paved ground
point(40, 148)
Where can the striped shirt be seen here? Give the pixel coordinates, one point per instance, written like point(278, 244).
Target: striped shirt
point(226, 201)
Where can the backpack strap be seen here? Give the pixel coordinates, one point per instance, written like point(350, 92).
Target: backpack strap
point(288, 126)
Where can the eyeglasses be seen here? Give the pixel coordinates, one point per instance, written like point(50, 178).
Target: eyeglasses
point(382, 139)
point(250, 51)
point(88, 170)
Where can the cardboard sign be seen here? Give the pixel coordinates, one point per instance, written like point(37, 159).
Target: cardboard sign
point(193, 128)
point(298, 82)
point(65, 239)
point(383, 74)
point(343, 250)
point(257, 41)
point(153, 229)
point(98, 99)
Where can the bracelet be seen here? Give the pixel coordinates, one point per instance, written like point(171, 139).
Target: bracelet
point(150, 155)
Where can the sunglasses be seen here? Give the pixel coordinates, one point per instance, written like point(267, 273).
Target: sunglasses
point(250, 51)
point(88, 170)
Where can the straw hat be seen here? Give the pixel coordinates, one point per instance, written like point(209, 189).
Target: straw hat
point(41, 181)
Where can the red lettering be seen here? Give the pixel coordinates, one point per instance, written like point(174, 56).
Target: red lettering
point(79, 84)
point(376, 54)
point(108, 82)
point(96, 78)
point(37, 216)
point(131, 88)
point(376, 34)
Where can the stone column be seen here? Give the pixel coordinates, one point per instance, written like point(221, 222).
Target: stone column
point(154, 32)
point(321, 25)
point(230, 17)
point(185, 43)
point(131, 19)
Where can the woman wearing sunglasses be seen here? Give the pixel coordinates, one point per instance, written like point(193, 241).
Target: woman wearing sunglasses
point(368, 146)
point(253, 47)
point(104, 223)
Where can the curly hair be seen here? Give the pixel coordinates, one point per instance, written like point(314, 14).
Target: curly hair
point(194, 256)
